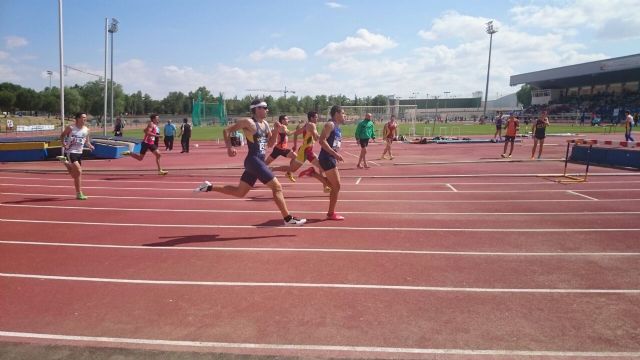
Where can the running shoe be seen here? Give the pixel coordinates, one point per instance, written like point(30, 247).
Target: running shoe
point(310, 171)
point(204, 187)
point(126, 153)
point(162, 172)
point(391, 158)
point(327, 189)
point(335, 216)
point(504, 155)
point(81, 196)
point(290, 176)
point(509, 156)
point(294, 221)
point(61, 158)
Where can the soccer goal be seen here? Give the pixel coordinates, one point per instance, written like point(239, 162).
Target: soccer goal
point(405, 114)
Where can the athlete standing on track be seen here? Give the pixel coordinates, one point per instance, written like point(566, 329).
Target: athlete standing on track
point(330, 141)
point(73, 138)
point(510, 135)
point(389, 133)
point(281, 148)
point(259, 136)
point(151, 133)
point(539, 133)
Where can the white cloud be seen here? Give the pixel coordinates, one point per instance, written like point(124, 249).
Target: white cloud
point(293, 53)
point(4, 55)
point(615, 19)
point(334, 5)
point(8, 74)
point(13, 41)
point(364, 41)
point(453, 25)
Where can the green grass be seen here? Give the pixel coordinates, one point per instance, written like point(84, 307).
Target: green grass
point(215, 132)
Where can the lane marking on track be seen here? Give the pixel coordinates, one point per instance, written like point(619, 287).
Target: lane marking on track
point(342, 191)
point(358, 181)
point(323, 285)
point(303, 228)
point(397, 184)
point(357, 251)
point(310, 347)
point(585, 196)
point(451, 187)
point(324, 200)
point(483, 213)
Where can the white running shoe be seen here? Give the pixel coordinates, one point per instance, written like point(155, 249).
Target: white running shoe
point(204, 187)
point(294, 221)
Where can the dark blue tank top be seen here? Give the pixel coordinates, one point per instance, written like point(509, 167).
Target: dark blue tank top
point(334, 140)
point(257, 144)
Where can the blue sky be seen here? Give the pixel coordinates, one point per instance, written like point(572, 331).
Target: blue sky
point(406, 48)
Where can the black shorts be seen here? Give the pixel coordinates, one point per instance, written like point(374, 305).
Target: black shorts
point(363, 143)
point(279, 152)
point(74, 157)
point(256, 169)
point(509, 139)
point(540, 137)
point(145, 146)
point(327, 163)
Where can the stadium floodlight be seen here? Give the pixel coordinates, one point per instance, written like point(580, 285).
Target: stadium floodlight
point(50, 73)
point(490, 30)
point(113, 28)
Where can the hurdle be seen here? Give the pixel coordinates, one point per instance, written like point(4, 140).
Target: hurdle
point(440, 131)
point(566, 178)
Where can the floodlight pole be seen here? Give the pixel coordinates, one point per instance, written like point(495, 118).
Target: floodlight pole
point(61, 49)
point(490, 30)
point(113, 28)
point(106, 93)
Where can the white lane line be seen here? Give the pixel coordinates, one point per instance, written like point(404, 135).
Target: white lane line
point(357, 251)
point(585, 196)
point(307, 227)
point(451, 187)
point(341, 191)
point(311, 347)
point(397, 184)
point(322, 285)
point(358, 181)
point(215, 211)
point(324, 200)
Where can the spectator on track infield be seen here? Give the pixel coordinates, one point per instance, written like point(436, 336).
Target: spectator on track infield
point(498, 122)
point(73, 138)
point(389, 133)
point(259, 136)
point(628, 125)
point(365, 131)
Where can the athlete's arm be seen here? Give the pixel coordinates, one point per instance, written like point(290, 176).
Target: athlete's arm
point(89, 145)
point(238, 125)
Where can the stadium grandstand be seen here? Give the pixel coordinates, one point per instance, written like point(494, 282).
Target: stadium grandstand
point(593, 93)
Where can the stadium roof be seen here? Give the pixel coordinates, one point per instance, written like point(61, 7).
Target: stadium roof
point(608, 71)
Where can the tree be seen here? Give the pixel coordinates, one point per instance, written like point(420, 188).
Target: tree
point(93, 95)
point(7, 99)
point(524, 95)
point(73, 101)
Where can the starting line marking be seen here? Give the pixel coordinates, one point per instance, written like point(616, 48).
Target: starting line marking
point(302, 228)
point(451, 187)
point(361, 251)
point(322, 285)
point(337, 348)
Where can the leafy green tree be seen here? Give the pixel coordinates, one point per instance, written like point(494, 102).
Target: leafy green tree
point(93, 95)
point(524, 95)
point(7, 100)
point(73, 101)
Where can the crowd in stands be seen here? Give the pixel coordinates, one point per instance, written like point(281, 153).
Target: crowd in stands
point(593, 109)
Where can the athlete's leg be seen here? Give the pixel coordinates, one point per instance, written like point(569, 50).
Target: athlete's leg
point(541, 145)
point(535, 144)
point(333, 176)
point(278, 197)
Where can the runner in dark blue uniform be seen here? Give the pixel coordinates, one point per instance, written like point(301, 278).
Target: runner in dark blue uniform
point(330, 141)
point(259, 136)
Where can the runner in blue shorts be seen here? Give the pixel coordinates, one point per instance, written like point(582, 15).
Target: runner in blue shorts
point(330, 141)
point(259, 136)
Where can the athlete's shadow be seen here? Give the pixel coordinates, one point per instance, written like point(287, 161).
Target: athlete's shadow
point(39, 200)
point(190, 239)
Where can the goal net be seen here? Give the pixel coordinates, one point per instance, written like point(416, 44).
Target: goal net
point(405, 114)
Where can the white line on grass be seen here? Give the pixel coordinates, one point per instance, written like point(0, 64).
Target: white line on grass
point(358, 251)
point(310, 347)
point(303, 228)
